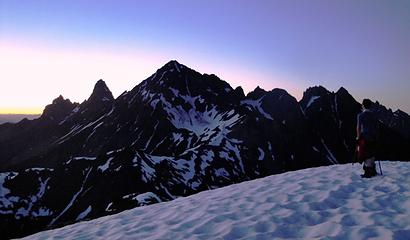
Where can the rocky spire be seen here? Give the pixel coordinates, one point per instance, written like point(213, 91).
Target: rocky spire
point(101, 93)
point(58, 109)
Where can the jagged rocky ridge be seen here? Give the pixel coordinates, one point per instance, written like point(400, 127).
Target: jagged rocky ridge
point(176, 133)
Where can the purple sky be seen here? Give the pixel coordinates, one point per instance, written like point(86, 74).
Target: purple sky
point(49, 48)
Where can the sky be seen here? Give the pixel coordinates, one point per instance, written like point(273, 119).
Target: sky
point(48, 48)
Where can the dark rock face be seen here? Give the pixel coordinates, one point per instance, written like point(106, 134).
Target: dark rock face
point(176, 133)
point(28, 138)
point(394, 140)
point(332, 116)
point(58, 109)
point(399, 121)
point(101, 99)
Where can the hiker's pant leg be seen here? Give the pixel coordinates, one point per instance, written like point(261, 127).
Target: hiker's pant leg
point(369, 163)
point(369, 167)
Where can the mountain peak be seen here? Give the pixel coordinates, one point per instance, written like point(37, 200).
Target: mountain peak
point(239, 92)
point(279, 91)
point(344, 94)
point(316, 91)
point(257, 93)
point(401, 113)
point(174, 62)
point(101, 93)
point(100, 82)
point(174, 65)
point(259, 89)
point(59, 108)
point(60, 99)
point(342, 90)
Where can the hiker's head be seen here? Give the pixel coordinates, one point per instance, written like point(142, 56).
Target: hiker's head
point(367, 103)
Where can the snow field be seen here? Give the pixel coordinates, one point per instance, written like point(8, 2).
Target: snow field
point(331, 202)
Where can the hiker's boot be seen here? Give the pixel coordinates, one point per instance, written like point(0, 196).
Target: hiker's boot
point(367, 172)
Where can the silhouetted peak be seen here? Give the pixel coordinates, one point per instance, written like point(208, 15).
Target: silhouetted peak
point(259, 89)
point(280, 95)
point(172, 65)
point(346, 97)
point(257, 93)
point(342, 90)
point(312, 94)
point(173, 62)
point(278, 92)
point(173, 70)
point(377, 105)
point(186, 81)
point(168, 71)
point(239, 92)
point(401, 113)
point(59, 108)
point(101, 93)
point(100, 85)
point(100, 82)
point(316, 91)
point(60, 99)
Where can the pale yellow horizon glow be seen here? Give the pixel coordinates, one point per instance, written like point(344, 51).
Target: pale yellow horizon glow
point(20, 110)
point(34, 74)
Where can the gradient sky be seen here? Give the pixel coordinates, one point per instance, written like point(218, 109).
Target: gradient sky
point(48, 48)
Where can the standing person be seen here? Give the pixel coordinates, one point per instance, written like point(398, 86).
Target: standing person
point(367, 136)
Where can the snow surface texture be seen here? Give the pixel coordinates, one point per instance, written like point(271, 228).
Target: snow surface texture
point(331, 202)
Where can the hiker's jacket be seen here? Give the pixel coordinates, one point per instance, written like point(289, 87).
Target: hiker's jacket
point(367, 126)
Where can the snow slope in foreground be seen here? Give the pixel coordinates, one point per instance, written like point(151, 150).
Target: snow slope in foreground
point(320, 202)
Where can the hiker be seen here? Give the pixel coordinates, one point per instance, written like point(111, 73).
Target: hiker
point(367, 136)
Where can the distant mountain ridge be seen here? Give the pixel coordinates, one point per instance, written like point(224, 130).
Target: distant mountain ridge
point(176, 133)
point(14, 118)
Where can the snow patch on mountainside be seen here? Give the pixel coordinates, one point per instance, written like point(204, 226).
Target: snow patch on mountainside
point(84, 214)
point(4, 191)
point(312, 100)
point(192, 119)
point(330, 201)
point(256, 104)
point(23, 206)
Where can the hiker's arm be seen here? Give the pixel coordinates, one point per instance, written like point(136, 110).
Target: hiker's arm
point(358, 128)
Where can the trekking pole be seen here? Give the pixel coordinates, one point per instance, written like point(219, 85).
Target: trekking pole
point(380, 166)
